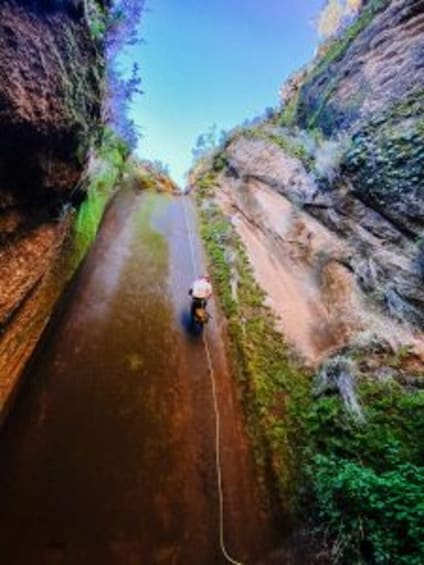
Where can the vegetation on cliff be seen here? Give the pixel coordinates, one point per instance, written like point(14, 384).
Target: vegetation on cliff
point(386, 162)
point(114, 26)
point(106, 170)
point(272, 385)
point(344, 447)
point(310, 111)
point(338, 88)
point(359, 480)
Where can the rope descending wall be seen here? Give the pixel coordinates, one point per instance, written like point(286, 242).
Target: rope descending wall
point(211, 372)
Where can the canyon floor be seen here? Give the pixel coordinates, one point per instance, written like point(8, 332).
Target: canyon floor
point(109, 454)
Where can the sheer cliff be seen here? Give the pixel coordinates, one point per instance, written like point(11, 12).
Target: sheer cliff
point(313, 219)
point(330, 189)
point(52, 87)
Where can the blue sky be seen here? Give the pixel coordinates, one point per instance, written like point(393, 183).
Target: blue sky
point(216, 61)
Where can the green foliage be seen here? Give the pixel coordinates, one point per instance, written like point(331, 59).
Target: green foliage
point(364, 482)
point(370, 516)
point(394, 424)
point(113, 148)
point(323, 116)
point(111, 157)
point(220, 162)
point(288, 116)
point(97, 28)
point(205, 185)
point(97, 19)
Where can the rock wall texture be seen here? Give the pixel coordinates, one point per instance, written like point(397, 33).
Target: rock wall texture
point(50, 99)
point(371, 67)
point(51, 91)
point(346, 157)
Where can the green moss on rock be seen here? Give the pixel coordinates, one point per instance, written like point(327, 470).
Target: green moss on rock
point(102, 183)
point(357, 485)
point(386, 163)
point(274, 386)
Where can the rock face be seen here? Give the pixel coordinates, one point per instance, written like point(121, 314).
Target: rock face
point(51, 89)
point(386, 164)
point(50, 106)
point(331, 265)
point(343, 232)
point(50, 99)
point(370, 68)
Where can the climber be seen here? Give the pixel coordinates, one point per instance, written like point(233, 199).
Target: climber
point(200, 293)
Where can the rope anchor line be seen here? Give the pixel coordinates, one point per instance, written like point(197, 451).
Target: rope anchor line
point(216, 410)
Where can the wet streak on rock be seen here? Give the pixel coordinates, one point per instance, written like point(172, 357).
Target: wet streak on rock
point(109, 455)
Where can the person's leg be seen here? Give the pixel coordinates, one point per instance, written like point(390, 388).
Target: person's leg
point(195, 304)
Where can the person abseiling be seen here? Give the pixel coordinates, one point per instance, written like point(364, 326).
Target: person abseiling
point(200, 292)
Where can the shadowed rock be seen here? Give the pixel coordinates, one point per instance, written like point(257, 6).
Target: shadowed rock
point(50, 98)
point(51, 88)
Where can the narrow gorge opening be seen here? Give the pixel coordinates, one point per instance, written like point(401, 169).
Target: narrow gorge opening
point(269, 154)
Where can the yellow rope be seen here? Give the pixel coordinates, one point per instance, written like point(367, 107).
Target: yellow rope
point(217, 414)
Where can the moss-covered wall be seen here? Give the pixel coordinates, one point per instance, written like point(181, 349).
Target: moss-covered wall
point(386, 163)
point(341, 449)
point(354, 483)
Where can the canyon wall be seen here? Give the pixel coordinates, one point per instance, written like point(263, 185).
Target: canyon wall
point(313, 220)
point(327, 195)
point(51, 92)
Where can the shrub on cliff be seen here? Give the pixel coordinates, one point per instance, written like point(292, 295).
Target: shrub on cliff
point(105, 170)
point(368, 515)
point(363, 485)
